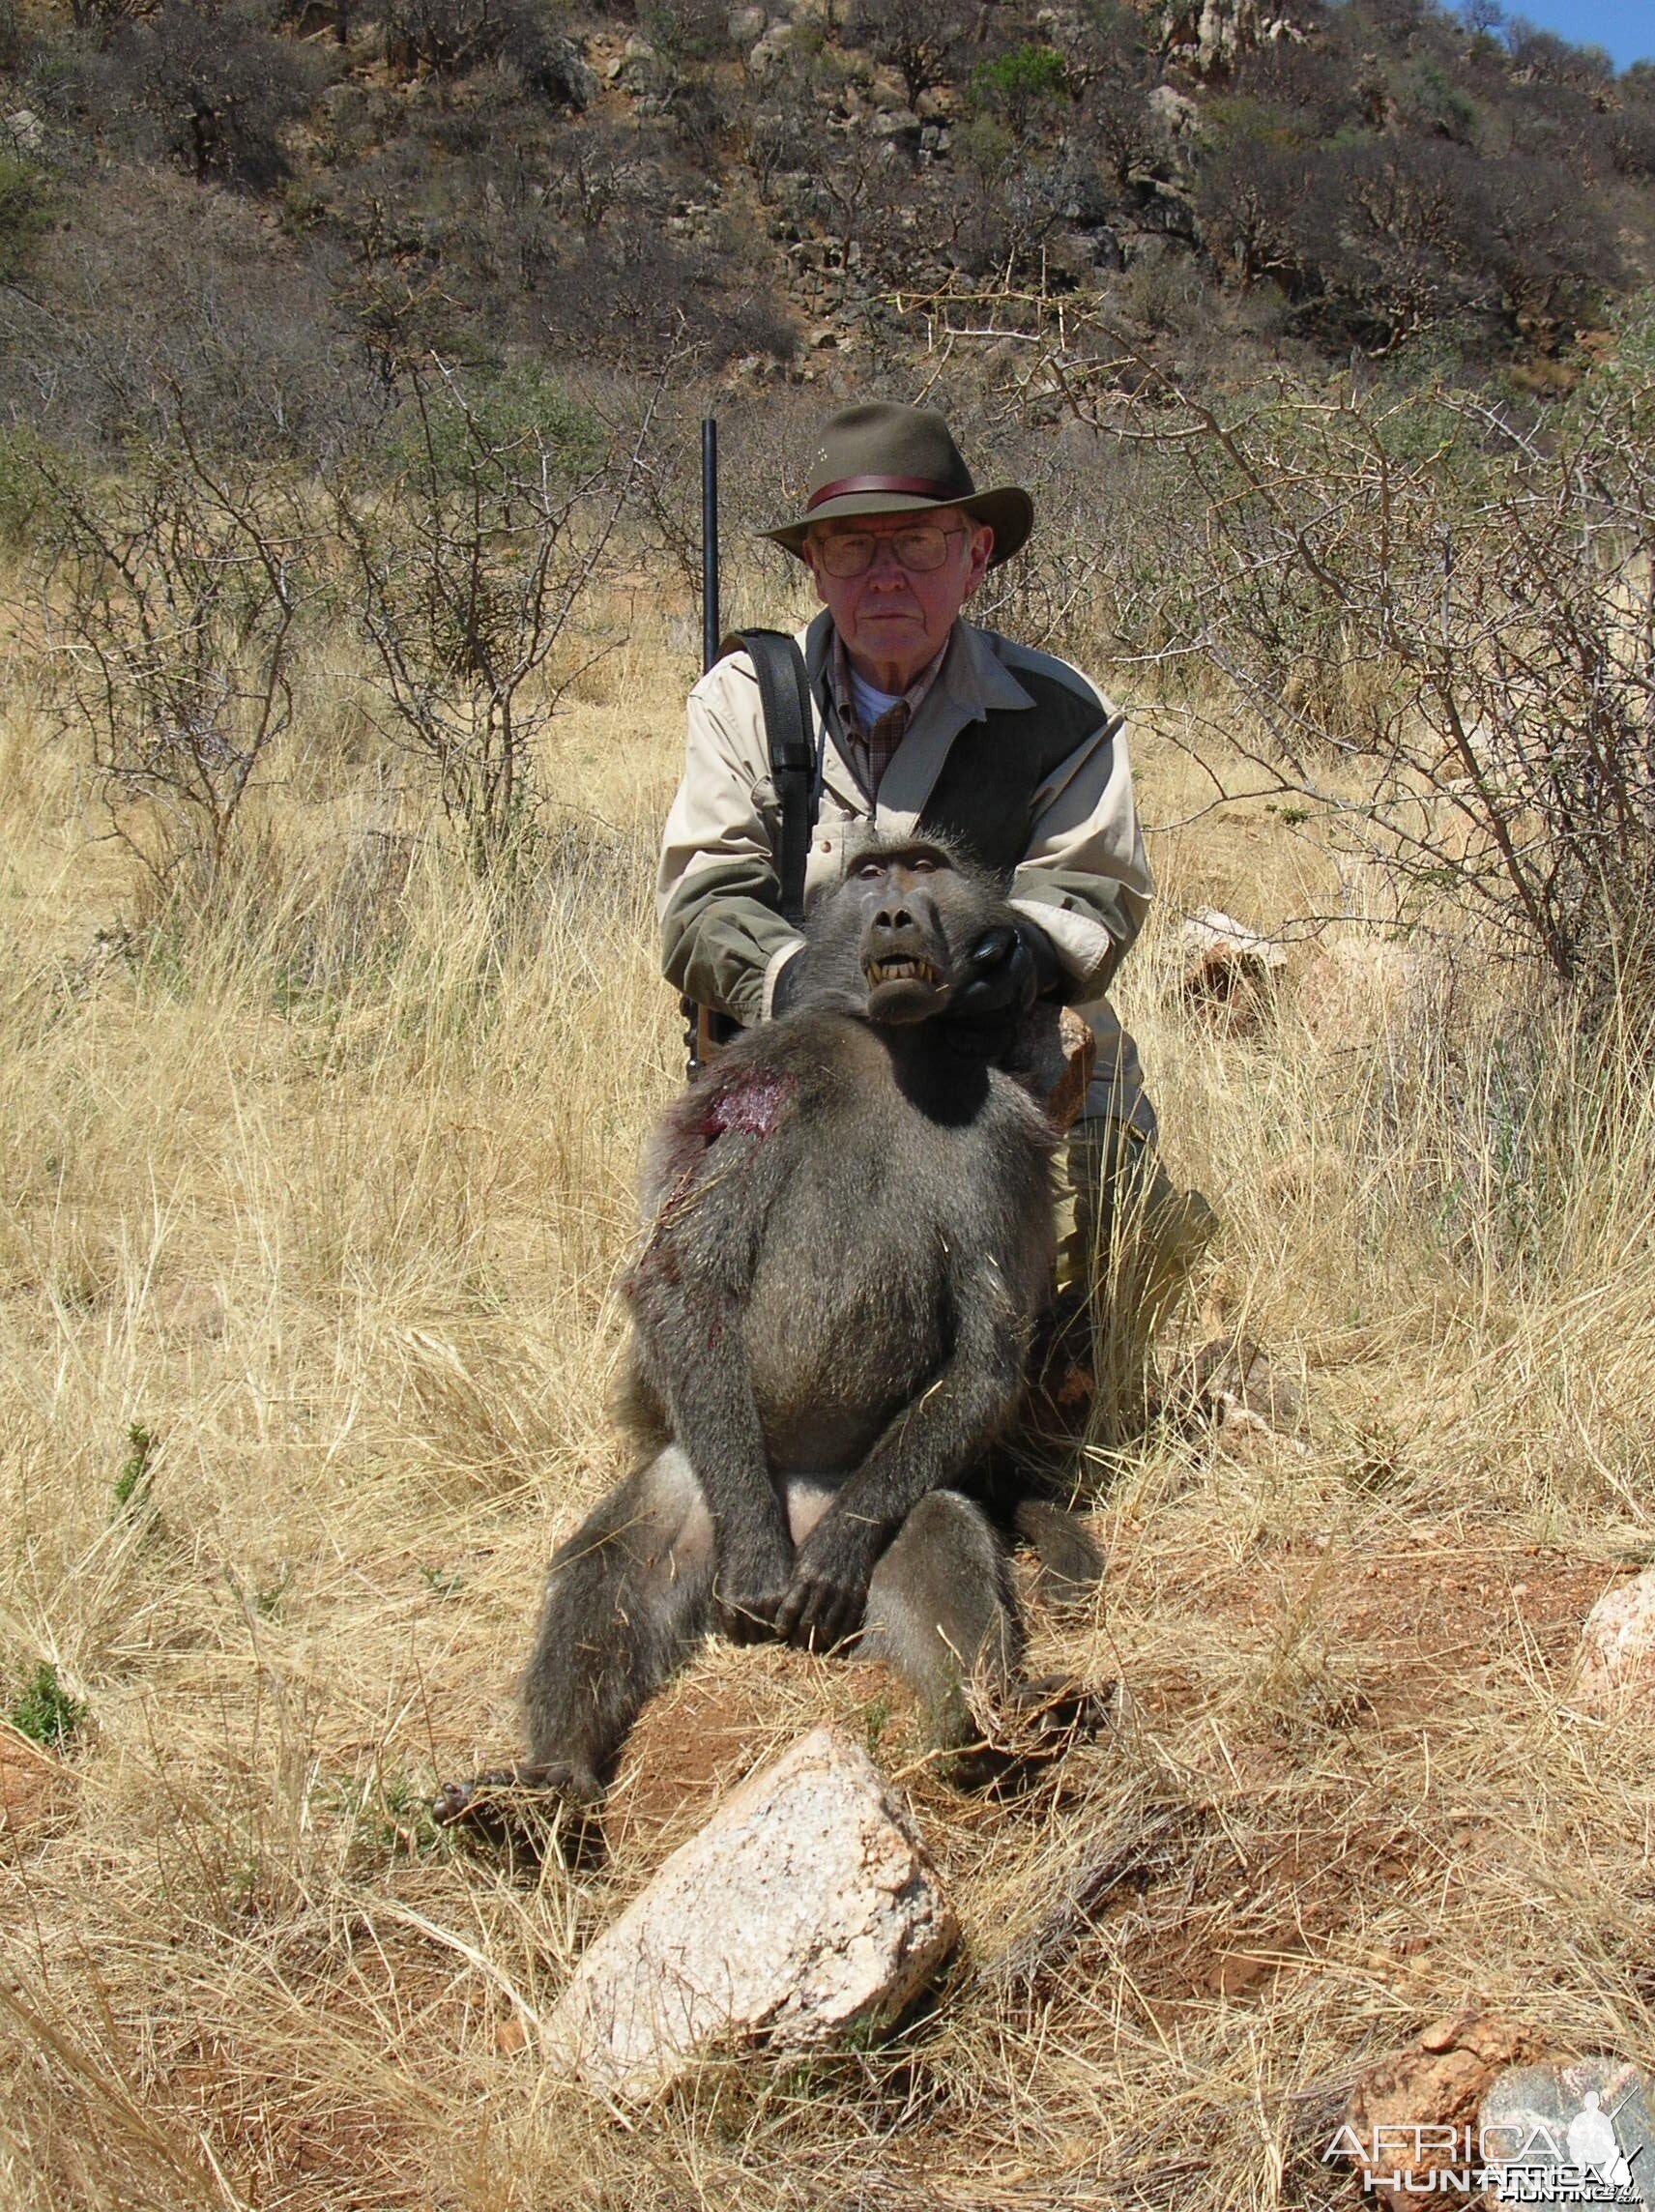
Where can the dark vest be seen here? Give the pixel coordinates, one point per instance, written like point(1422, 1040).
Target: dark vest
point(985, 799)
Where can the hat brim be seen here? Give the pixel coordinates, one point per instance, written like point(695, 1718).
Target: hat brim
point(1008, 510)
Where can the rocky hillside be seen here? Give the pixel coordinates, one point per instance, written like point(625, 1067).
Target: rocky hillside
point(276, 202)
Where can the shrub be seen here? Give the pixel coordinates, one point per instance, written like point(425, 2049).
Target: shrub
point(451, 38)
point(466, 570)
point(23, 210)
point(1019, 85)
point(168, 600)
point(45, 1712)
point(214, 89)
point(1437, 622)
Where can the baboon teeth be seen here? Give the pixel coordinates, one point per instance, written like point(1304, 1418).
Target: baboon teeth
point(903, 971)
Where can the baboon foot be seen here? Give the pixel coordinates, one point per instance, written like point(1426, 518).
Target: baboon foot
point(531, 1811)
point(1026, 1727)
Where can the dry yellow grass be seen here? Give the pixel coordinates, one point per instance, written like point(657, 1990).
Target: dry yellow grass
point(329, 1197)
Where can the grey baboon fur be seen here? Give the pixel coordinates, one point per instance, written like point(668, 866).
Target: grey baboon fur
point(850, 1242)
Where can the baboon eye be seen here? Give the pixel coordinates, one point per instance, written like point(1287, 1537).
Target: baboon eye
point(922, 865)
point(869, 869)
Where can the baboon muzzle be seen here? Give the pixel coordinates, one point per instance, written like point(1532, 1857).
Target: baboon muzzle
point(904, 960)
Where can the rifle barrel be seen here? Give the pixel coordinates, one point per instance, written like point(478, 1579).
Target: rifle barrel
point(709, 542)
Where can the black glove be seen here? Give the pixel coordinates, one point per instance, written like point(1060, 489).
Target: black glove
point(788, 984)
point(1006, 969)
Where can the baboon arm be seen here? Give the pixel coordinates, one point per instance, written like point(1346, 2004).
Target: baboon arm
point(689, 1295)
point(931, 1442)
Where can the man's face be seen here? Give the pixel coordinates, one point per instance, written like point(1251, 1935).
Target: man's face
point(895, 619)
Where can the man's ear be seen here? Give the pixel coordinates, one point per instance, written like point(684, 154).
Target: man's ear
point(808, 552)
point(983, 547)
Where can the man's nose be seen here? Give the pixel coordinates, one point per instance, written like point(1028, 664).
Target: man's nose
point(884, 565)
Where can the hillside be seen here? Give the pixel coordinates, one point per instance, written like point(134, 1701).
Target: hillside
point(276, 205)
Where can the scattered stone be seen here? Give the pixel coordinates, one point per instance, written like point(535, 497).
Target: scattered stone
point(1227, 967)
point(1235, 1384)
point(1595, 2113)
point(806, 1908)
point(1353, 988)
point(769, 49)
point(1614, 1666)
point(28, 133)
point(893, 123)
point(1174, 111)
point(1211, 33)
point(747, 25)
point(1440, 2083)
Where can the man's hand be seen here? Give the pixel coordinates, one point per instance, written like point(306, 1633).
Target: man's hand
point(829, 1593)
point(751, 1579)
point(1006, 969)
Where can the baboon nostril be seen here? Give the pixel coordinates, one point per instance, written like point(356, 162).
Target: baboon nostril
point(887, 918)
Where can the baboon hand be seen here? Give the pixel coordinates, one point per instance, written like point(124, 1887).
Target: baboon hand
point(829, 1593)
point(750, 1584)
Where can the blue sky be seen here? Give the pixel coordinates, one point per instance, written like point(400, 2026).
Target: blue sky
point(1625, 27)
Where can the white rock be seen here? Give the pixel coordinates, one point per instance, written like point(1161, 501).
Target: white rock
point(769, 49)
point(26, 130)
point(1615, 1661)
point(747, 25)
point(1227, 965)
point(1174, 111)
point(805, 1907)
point(1207, 931)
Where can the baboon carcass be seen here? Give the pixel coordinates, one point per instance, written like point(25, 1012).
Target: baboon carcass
point(849, 1243)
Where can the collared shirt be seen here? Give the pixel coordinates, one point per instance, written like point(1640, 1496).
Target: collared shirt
point(869, 750)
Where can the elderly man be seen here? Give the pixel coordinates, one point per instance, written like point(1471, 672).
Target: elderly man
point(924, 723)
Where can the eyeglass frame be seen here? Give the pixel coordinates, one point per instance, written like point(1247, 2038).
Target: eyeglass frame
point(832, 536)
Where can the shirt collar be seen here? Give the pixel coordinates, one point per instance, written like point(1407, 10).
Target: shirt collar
point(844, 698)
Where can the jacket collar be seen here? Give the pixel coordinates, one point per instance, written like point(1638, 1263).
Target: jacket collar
point(973, 683)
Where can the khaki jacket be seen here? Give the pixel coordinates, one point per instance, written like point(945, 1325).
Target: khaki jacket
point(1083, 876)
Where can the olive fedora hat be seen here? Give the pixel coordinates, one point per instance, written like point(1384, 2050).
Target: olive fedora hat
point(880, 458)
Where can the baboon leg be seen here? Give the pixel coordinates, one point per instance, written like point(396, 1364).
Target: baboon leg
point(942, 1610)
point(628, 1598)
point(1071, 1565)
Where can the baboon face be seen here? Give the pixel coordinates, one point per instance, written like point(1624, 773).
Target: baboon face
point(907, 917)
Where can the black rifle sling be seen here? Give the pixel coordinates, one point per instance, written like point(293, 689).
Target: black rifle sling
point(784, 694)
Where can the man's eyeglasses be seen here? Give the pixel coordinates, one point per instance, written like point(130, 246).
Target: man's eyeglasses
point(923, 547)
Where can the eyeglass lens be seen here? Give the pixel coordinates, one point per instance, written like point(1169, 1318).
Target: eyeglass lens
point(850, 552)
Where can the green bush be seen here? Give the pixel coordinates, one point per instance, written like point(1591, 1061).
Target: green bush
point(48, 1713)
point(463, 434)
point(1017, 85)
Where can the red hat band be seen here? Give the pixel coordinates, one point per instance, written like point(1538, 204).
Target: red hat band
point(917, 487)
